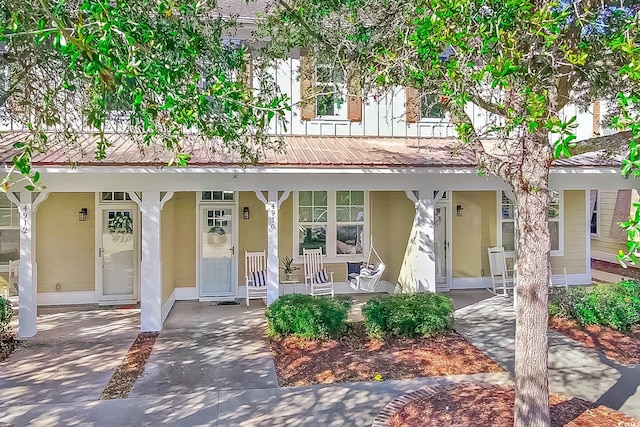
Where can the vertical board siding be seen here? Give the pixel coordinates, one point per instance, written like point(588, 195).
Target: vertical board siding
point(575, 234)
point(184, 236)
point(167, 249)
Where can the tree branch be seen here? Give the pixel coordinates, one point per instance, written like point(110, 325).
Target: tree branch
point(612, 144)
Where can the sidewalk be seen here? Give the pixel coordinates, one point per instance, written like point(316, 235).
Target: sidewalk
point(573, 369)
point(351, 404)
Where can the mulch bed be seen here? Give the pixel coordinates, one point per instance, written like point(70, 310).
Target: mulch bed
point(131, 367)
point(482, 405)
point(623, 348)
point(616, 269)
point(355, 357)
point(8, 344)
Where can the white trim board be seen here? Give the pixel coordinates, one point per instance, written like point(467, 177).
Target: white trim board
point(168, 305)
point(485, 282)
point(67, 298)
point(186, 294)
point(608, 257)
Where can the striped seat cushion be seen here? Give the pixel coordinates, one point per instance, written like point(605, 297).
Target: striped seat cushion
point(259, 278)
point(322, 276)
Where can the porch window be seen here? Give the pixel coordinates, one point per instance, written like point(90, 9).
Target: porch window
point(594, 202)
point(507, 223)
point(114, 196)
point(9, 231)
point(312, 220)
point(336, 221)
point(349, 222)
point(217, 196)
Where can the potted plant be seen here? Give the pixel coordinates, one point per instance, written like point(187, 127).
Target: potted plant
point(287, 267)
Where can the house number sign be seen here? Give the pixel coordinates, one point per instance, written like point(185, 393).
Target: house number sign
point(24, 219)
point(272, 215)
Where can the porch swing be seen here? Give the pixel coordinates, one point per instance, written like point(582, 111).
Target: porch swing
point(369, 275)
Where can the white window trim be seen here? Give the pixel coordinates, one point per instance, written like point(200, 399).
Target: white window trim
point(596, 209)
point(205, 201)
point(560, 219)
point(331, 224)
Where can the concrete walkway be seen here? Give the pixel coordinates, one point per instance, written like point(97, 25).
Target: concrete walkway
point(211, 367)
point(573, 369)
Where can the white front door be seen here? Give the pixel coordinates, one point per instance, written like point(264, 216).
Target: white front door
point(118, 261)
point(442, 248)
point(217, 256)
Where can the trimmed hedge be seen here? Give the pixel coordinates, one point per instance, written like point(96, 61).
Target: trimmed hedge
point(308, 317)
point(616, 305)
point(408, 315)
point(5, 315)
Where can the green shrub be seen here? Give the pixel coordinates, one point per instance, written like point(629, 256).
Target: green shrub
point(408, 315)
point(307, 317)
point(5, 315)
point(614, 305)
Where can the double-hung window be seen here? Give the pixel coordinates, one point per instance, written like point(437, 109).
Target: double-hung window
point(506, 229)
point(336, 221)
point(330, 84)
point(9, 231)
point(431, 108)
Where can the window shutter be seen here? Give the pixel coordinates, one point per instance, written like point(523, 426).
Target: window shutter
point(412, 105)
point(620, 214)
point(354, 101)
point(247, 71)
point(307, 97)
point(596, 118)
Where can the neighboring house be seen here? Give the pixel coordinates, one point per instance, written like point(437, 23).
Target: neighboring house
point(609, 207)
point(129, 229)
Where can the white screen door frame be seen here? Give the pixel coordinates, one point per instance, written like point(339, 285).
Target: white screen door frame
point(443, 247)
point(104, 265)
point(222, 244)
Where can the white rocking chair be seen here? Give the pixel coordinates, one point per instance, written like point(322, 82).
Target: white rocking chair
point(255, 275)
point(316, 277)
point(368, 278)
point(501, 278)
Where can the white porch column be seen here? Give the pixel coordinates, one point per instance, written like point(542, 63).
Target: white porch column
point(151, 265)
point(28, 292)
point(272, 203)
point(418, 270)
point(273, 259)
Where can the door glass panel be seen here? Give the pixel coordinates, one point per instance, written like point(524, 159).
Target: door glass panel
point(441, 244)
point(217, 255)
point(118, 256)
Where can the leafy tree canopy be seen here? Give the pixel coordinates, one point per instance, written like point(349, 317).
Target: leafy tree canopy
point(161, 72)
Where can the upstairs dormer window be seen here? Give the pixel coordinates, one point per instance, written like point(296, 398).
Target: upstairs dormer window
point(330, 85)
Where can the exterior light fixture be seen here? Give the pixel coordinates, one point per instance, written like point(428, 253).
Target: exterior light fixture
point(82, 215)
point(459, 210)
point(245, 212)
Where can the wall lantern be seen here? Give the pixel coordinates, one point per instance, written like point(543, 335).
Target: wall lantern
point(245, 212)
point(82, 215)
point(459, 210)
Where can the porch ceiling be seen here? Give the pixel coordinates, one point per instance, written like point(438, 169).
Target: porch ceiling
point(301, 151)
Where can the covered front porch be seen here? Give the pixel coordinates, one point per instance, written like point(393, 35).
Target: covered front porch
point(124, 233)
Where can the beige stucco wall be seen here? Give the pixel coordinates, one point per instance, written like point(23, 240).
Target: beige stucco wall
point(184, 239)
point(65, 247)
point(167, 248)
point(602, 242)
point(575, 224)
point(473, 233)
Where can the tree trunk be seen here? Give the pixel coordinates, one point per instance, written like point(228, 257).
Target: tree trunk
point(530, 184)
